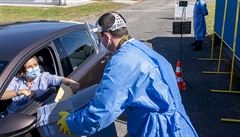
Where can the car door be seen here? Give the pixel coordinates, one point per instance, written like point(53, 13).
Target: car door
point(24, 121)
point(82, 58)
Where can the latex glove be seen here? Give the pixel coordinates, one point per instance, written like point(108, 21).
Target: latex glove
point(63, 124)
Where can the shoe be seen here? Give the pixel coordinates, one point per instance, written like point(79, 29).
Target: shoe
point(198, 45)
point(197, 48)
point(194, 43)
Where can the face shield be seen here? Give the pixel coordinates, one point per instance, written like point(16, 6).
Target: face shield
point(118, 23)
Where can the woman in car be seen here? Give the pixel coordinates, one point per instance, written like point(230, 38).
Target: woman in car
point(30, 83)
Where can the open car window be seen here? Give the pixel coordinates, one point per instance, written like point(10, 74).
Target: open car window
point(46, 63)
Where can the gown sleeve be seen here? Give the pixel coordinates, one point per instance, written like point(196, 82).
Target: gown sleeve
point(112, 97)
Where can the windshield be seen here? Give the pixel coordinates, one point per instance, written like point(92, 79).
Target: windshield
point(3, 64)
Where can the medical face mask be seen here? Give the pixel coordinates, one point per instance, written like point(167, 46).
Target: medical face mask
point(32, 73)
point(119, 22)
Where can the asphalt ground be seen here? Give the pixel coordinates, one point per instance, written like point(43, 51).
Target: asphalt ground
point(151, 22)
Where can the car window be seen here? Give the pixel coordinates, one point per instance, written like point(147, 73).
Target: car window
point(3, 64)
point(47, 63)
point(77, 47)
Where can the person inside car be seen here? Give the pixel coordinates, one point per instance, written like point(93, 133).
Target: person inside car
point(29, 83)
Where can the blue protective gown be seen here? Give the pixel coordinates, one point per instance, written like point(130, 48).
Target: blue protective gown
point(199, 26)
point(142, 82)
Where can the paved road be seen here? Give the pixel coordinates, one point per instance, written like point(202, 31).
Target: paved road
point(150, 18)
point(151, 21)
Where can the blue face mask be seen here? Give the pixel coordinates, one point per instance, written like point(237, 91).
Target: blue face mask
point(32, 73)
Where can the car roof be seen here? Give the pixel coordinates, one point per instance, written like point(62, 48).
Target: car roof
point(14, 37)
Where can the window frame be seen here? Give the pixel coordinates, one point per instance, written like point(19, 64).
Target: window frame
point(61, 50)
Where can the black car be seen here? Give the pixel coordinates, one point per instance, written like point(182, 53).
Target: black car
point(63, 48)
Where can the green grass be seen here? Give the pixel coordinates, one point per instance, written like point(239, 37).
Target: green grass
point(210, 17)
point(77, 13)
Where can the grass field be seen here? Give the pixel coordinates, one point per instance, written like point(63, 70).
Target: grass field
point(76, 13)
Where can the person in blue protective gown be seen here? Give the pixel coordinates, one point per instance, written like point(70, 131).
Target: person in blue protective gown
point(136, 80)
point(199, 26)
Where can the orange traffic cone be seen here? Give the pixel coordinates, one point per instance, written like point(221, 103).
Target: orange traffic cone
point(180, 82)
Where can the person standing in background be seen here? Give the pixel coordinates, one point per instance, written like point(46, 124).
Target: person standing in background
point(199, 23)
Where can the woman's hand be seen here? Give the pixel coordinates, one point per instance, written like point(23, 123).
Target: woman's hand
point(13, 93)
point(72, 84)
point(75, 87)
point(25, 92)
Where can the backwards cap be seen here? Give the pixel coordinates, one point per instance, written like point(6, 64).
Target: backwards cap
point(118, 23)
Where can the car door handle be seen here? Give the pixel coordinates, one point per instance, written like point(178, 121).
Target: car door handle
point(105, 59)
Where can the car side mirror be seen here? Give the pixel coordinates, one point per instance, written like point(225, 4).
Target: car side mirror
point(16, 124)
